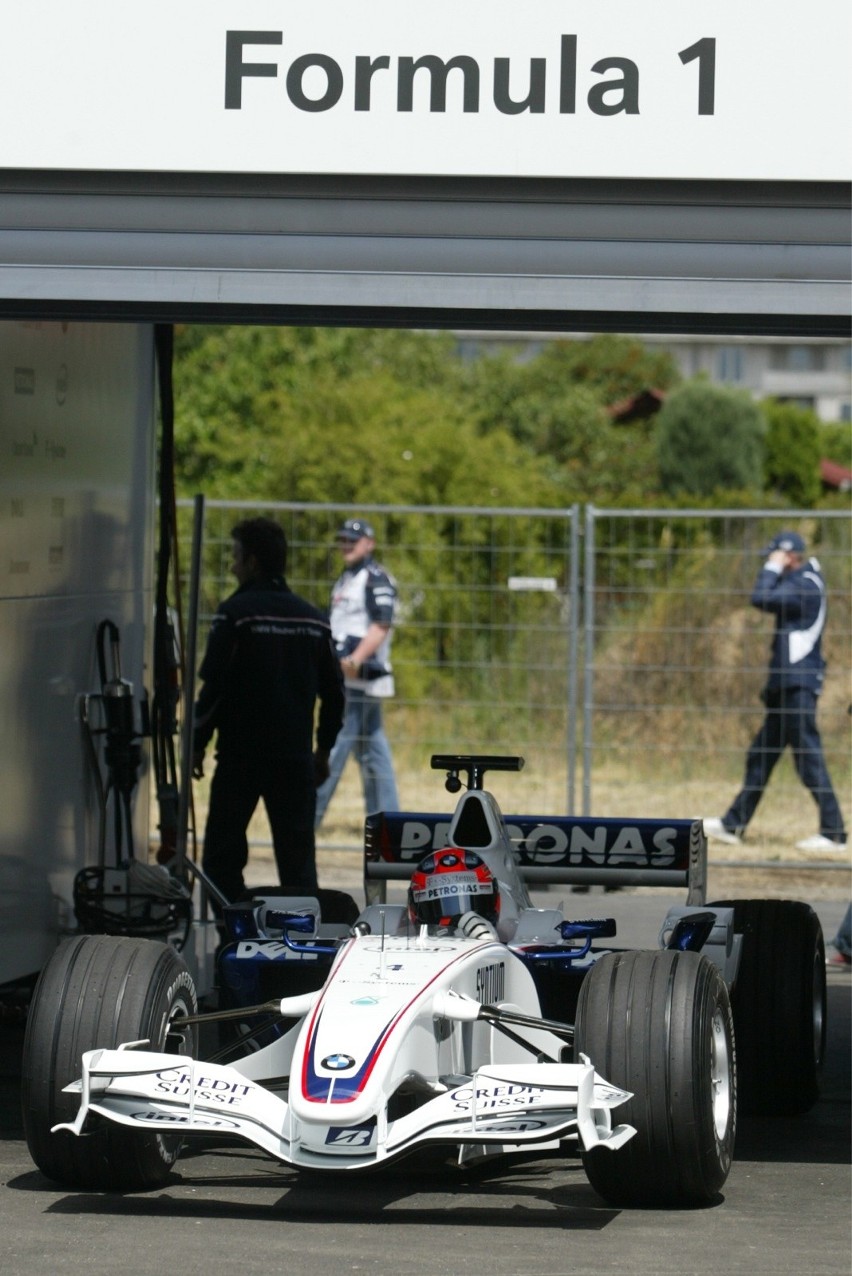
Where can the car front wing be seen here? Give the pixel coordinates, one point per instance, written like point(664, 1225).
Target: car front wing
point(499, 1109)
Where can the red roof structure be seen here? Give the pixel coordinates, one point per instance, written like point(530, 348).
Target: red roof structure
point(835, 475)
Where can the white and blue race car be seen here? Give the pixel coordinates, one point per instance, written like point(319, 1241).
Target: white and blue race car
point(464, 1019)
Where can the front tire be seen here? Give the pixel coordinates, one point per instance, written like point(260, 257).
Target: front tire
point(99, 990)
point(659, 1024)
point(779, 1005)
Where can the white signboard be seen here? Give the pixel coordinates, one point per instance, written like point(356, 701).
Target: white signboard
point(733, 89)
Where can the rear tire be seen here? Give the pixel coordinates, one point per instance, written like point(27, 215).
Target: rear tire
point(100, 990)
point(779, 1005)
point(659, 1024)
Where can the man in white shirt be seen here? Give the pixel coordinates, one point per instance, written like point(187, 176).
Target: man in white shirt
point(363, 602)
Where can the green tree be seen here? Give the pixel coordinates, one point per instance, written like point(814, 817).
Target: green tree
point(792, 452)
point(835, 442)
point(503, 388)
point(556, 405)
point(710, 439)
point(612, 367)
point(340, 415)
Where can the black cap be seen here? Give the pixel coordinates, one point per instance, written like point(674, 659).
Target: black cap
point(790, 542)
point(354, 528)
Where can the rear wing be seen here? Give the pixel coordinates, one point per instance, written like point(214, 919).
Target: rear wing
point(570, 849)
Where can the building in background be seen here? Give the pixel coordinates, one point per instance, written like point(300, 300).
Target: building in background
point(811, 373)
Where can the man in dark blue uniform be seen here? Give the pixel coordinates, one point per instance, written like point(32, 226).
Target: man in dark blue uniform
point(269, 658)
point(791, 587)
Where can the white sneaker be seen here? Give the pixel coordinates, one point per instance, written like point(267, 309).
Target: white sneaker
point(715, 829)
point(817, 842)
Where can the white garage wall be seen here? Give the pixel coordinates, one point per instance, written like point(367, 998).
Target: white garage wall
point(76, 440)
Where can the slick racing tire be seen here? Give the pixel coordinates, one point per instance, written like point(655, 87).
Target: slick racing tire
point(659, 1024)
point(779, 1005)
point(99, 990)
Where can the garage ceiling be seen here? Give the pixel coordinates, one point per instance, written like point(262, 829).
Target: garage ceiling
point(557, 255)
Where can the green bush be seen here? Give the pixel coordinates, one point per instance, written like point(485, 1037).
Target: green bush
point(835, 442)
point(792, 452)
point(710, 439)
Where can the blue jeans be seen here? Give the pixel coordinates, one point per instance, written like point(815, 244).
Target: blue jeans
point(843, 938)
point(362, 733)
point(790, 719)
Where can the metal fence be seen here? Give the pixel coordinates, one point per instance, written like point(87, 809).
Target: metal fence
point(676, 657)
point(614, 649)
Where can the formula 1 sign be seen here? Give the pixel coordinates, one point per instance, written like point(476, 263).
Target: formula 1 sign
point(752, 89)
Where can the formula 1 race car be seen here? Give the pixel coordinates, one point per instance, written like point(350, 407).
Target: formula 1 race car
point(463, 1019)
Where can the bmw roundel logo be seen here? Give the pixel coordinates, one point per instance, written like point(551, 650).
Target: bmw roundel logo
point(338, 1062)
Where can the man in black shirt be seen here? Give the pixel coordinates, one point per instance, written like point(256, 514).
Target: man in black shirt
point(269, 658)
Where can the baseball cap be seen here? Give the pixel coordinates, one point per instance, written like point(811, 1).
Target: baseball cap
point(354, 528)
point(790, 542)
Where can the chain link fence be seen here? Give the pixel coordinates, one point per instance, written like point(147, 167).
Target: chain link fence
point(615, 650)
point(676, 658)
point(484, 649)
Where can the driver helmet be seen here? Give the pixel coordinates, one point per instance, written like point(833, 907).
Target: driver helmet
point(449, 883)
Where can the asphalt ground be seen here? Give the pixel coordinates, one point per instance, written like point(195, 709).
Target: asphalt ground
point(785, 1206)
